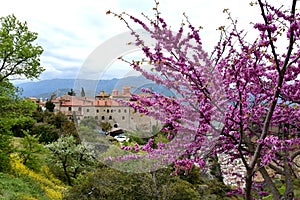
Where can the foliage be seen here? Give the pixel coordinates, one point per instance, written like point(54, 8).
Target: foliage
point(51, 126)
point(91, 135)
point(19, 56)
point(106, 126)
point(71, 92)
point(86, 133)
point(138, 140)
point(46, 133)
point(242, 101)
point(50, 106)
point(5, 149)
point(89, 122)
point(70, 158)
point(30, 150)
point(281, 187)
point(107, 183)
point(52, 188)
point(68, 128)
point(24, 123)
point(27, 188)
point(13, 112)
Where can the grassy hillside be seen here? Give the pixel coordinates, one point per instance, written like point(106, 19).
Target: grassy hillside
point(20, 187)
point(27, 184)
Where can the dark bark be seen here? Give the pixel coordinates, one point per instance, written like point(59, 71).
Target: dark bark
point(66, 173)
point(249, 182)
point(289, 186)
point(270, 183)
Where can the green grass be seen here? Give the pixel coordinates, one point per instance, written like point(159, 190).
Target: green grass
point(22, 187)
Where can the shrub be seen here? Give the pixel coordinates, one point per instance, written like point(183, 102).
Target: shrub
point(53, 190)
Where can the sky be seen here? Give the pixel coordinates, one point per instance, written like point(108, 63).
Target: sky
point(71, 31)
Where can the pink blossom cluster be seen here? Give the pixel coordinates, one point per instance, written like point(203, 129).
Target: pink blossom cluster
point(242, 101)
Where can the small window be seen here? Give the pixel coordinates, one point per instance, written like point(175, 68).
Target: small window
point(111, 111)
point(110, 117)
point(97, 111)
point(87, 110)
point(96, 117)
point(107, 111)
point(79, 108)
point(119, 110)
point(103, 118)
point(125, 110)
point(70, 108)
point(123, 118)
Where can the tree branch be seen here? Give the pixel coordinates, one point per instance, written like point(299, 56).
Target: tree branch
point(267, 178)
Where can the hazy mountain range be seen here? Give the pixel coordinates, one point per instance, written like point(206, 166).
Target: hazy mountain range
point(45, 88)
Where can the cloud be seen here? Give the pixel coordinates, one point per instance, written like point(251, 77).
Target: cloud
point(69, 31)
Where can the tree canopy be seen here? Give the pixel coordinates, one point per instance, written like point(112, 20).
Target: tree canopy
point(19, 55)
point(13, 111)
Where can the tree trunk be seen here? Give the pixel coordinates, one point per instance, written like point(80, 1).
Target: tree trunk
point(67, 174)
point(249, 182)
point(289, 186)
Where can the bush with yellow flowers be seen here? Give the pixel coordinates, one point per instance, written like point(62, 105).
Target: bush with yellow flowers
point(52, 187)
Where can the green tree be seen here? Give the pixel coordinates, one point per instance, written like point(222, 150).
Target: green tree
point(70, 157)
point(51, 126)
point(108, 183)
point(50, 106)
point(19, 56)
point(106, 126)
point(29, 151)
point(72, 93)
point(103, 183)
point(13, 111)
point(47, 133)
point(69, 129)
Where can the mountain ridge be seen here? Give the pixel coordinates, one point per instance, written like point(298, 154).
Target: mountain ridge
point(45, 88)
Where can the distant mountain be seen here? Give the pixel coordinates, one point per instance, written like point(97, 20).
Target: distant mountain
point(44, 89)
point(154, 87)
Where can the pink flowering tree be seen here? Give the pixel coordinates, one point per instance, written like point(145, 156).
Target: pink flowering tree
point(241, 101)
